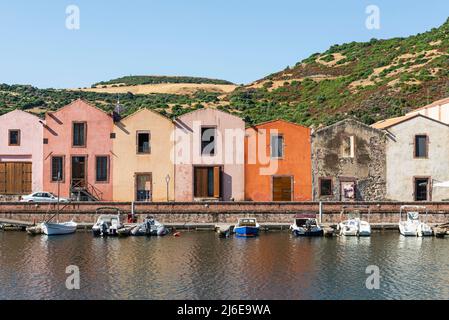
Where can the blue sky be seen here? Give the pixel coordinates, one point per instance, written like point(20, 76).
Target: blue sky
point(236, 40)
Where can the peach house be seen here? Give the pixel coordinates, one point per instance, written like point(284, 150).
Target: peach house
point(143, 170)
point(278, 163)
point(438, 110)
point(209, 156)
point(78, 152)
point(20, 153)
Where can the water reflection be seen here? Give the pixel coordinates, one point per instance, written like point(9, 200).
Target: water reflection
point(203, 266)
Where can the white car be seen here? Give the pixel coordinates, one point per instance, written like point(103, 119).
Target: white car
point(42, 197)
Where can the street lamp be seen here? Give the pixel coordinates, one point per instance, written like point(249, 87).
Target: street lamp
point(167, 180)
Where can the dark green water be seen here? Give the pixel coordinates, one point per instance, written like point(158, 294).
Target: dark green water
point(202, 266)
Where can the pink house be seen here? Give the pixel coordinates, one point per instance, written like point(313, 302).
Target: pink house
point(20, 153)
point(209, 156)
point(78, 152)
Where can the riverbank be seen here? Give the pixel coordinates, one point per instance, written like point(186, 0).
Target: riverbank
point(212, 213)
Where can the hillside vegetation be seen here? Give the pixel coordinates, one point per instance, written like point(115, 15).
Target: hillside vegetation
point(369, 81)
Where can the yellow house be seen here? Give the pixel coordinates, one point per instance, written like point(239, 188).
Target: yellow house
point(143, 169)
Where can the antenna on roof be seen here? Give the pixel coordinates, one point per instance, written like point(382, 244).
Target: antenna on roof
point(116, 114)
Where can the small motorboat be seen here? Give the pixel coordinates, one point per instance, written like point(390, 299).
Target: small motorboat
point(54, 229)
point(354, 225)
point(108, 224)
point(150, 227)
point(413, 227)
point(306, 225)
point(247, 227)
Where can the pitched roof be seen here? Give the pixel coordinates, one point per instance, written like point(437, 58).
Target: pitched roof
point(82, 101)
point(342, 122)
point(275, 120)
point(433, 104)
point(387, 123)
point(145, 109)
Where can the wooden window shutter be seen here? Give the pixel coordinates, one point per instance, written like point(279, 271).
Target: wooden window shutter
point(217, 182)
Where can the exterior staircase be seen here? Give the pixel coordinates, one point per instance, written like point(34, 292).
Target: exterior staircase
point(84, 191)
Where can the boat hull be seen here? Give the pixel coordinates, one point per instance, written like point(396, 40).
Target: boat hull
point(303, 233)
point(246, 231)
point(55, 229)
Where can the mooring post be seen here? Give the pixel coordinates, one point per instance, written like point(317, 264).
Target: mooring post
point(321, 212)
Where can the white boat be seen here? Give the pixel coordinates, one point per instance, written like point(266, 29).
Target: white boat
point(54, 229)
point(150, 227)
point(413, 226)
point(107, 224)
point(354, 225)
point(306, 225)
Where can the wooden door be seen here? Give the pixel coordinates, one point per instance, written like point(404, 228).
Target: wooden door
point(144, 187)
point(79, 171)
point(15, 178)
point(207, 182)
point(282, 188)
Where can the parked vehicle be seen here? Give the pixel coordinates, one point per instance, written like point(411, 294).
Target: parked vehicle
point(53, 229)
point(247, 227)
point(306, 225)
point(107, 224)
point(413, 226)
point(42, 196)
point(354, 225)
point(149, 227)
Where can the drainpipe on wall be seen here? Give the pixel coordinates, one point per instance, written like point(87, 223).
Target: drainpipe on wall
point(321, 212)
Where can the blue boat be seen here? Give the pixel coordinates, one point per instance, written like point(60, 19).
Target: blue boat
point(247, 227)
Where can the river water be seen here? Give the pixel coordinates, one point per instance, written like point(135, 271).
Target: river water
point(199, 265)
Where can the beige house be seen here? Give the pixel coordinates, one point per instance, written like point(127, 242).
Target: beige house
point(143, 168)
point(417, 158)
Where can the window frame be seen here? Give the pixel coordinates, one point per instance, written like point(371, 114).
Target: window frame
point(139, 132)
point(108, 166)
point(215, 141)
point(415, 145)
point(283, 146)
point(428, 188)
point(62, 166)
point(351, 154)
point(320, 192)
point(19, 134)
point(85, 134)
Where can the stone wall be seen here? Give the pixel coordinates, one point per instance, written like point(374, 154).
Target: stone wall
point(366, 167)
point(228, 212)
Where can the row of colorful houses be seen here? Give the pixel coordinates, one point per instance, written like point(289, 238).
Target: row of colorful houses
point(210, 155)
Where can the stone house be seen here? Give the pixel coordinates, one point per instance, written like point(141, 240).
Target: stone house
point(417, 155)
point(349, 162)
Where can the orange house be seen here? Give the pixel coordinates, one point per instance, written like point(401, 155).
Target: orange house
point(278, 165)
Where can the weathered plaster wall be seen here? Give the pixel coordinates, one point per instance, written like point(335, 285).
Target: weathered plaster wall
point(31, 147)
point(229, 152)
point(367, 167)
point(58, 131)
point(127, 162)
point(402, 167)
point(260, 167)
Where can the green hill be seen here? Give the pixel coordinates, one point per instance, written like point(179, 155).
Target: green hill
point(369, 81)
point(140, 80)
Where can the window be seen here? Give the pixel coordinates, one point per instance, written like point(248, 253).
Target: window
point(348, 148)
point(102, 168)
point(208, 141)
point(143, 142)
point(14, 138)
point(79, 134)
point(277, 146)
point(421, 143)
point(421, 189)
point(325, 187)
point(57, 169)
